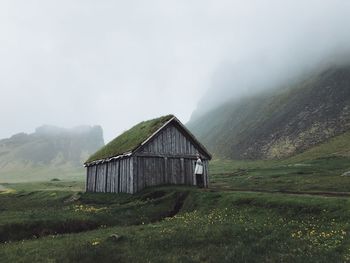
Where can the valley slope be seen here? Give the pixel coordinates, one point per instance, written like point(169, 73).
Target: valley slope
point(281, 122)
point(50, 152)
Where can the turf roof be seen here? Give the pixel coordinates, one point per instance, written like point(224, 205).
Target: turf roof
point(131, 139)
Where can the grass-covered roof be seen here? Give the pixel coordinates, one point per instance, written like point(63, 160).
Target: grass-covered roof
point(131, 139)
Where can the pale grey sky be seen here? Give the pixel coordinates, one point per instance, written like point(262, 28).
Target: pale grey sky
point(115, 63)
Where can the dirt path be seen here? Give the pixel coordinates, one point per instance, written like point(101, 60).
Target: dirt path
point(319, 193)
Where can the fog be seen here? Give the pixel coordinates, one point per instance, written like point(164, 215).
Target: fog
point(115, 63)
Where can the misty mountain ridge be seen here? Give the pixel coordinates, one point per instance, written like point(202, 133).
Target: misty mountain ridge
point(49, 147)
point(279, 122)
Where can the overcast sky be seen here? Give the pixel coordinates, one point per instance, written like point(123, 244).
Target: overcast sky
point(116, 63)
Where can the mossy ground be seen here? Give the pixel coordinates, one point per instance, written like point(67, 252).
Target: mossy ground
point(58, 222)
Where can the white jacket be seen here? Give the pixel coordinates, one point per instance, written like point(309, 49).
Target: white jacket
point(199, 167)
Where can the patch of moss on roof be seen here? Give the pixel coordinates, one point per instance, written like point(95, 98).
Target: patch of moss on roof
point(131, 139)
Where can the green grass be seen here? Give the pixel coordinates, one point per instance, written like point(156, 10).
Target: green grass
point(55, 221)
point(210, 227)
point(41, 173)
point(130, 139)
point(319, 175)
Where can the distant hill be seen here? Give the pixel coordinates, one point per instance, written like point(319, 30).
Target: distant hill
point(279, 123)
point(48, 152)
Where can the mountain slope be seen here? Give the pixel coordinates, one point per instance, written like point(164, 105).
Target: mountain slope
point(49, 151)
point(279, 123)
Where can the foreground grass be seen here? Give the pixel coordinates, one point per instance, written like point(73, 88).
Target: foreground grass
point(57, 222)
point(210, 227)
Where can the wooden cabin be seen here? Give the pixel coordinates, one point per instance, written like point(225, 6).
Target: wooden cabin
point(156, 152)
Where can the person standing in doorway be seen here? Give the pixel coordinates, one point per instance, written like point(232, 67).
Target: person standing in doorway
point(198, 171)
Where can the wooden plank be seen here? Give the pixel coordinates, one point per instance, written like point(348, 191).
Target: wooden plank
point(114, 174)
point(98, 168)
point(92, 179)
point(131, 181)
point(139, 174)
point(150, 176)
point(128, 175)
point(106, 177)
point(134, 174)
point(180, 143)
point(155, 145)
point(127, 186)
point(168, 140)
point(182, 171)
point(94, 171)
point(165, 170)
point(160, 170)
point(143, 174)
point(97, 182)
point(121, 175)
point(163, 143)
point(117, 187)
point(173, 171)
point(173, 138)
point(156, 168)
point(101, 177)
point(177, 141)
point(124, 175)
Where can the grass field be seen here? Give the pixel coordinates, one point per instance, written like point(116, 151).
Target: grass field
point(319, 175)
point(55, 221)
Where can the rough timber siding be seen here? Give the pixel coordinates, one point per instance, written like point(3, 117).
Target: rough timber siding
point(170, 141)
point(112, 177)
point(152, 171)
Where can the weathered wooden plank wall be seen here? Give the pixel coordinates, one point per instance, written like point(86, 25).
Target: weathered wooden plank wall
point(100, 178)
point(112, 177)
point(152, 171)
point(170, 141)
point(130, 175)
point(91, 174)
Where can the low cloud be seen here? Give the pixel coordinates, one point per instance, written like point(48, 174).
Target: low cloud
point(115, 63)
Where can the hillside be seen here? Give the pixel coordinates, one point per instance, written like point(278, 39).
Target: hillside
point(281, 122)
point(48, 152)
